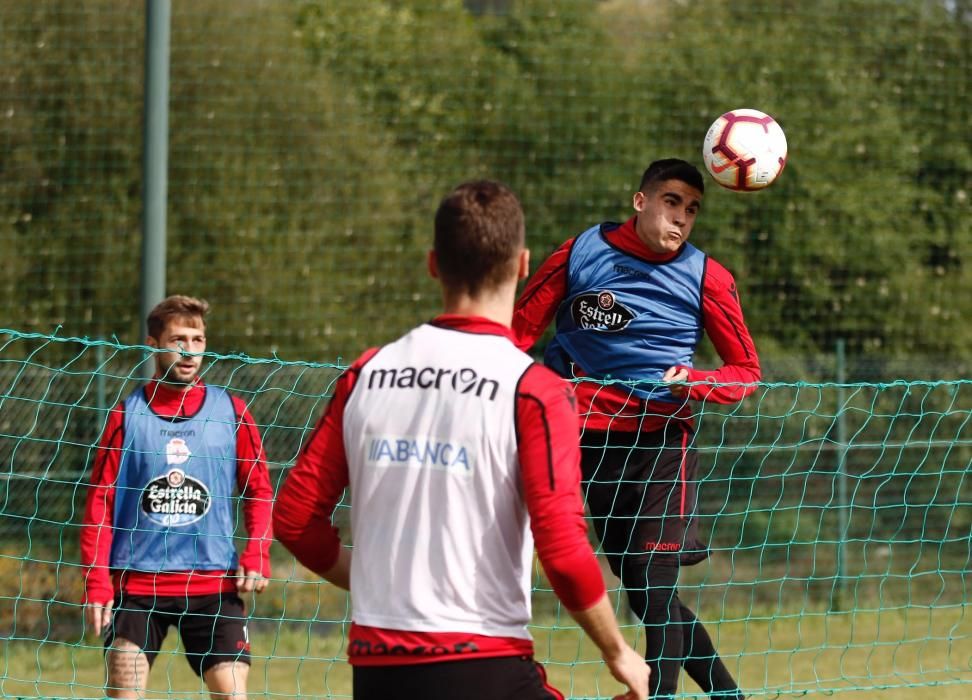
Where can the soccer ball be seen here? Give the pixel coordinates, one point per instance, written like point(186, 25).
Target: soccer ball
point(744, 150)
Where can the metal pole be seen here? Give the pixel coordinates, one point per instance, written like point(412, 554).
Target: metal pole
point(155, 159)
point(843, 512)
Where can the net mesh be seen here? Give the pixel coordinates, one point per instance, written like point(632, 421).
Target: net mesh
point(838, 515)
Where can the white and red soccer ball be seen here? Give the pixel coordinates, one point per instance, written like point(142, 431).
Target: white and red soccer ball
point(744, 150)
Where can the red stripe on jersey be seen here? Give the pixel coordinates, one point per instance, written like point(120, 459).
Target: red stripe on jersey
point(681, 469)
point(373, 646)
point(610, 408)
point(174, 584)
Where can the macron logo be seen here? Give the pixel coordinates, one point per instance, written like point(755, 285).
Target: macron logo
point(464, 381)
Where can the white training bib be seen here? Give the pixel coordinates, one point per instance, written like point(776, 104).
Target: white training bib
point(439, 525)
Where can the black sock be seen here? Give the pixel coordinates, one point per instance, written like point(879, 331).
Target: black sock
point(653, 598)
point(674, 636)
point(703, 663)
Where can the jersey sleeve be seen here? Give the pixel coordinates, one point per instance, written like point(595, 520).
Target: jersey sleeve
point(306, 501)
point(548, 441)
point(541, 298)
point(724, 323)
point(256, 493)
point(99, 508)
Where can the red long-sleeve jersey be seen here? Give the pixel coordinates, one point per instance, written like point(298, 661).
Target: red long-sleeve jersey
point(253, 483)
point(549, 463)
point(610, 407)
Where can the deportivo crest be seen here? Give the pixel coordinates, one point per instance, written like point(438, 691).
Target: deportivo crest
point(175, 499)
point(177, 451)
point(600, 311)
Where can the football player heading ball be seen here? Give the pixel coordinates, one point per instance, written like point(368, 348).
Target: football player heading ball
point(630, 302)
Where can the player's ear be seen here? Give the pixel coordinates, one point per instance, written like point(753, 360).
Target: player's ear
point(523, 264)
point(638, 201)
point(151, 342)
point(433, 264)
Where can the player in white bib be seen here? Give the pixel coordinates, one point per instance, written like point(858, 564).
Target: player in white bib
point(461, 454)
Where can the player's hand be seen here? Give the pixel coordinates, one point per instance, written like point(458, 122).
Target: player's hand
point(98, 616)
point(630, 668)
point(674, 374)
point(252, 580)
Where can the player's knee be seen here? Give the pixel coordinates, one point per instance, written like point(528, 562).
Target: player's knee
point(128, 669)
point(226, 680)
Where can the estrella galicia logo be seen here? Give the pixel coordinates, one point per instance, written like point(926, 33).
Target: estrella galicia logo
point(175, 500)
point(600, 311)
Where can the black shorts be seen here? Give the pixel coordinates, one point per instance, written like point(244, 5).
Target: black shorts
point(503, 678)
point(212, 627)
point(641, 491)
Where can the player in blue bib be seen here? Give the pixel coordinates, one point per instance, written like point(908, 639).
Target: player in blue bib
point(630, 303)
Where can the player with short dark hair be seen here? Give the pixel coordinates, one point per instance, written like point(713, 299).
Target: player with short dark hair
point(666, 169)
point(486, 256)
point(157, 542)
point(630, 303)
point(460, 454)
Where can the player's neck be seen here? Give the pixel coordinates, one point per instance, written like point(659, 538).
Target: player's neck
point(158, 383)
point(496, 306)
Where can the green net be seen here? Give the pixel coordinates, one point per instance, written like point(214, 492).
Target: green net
point(839, 517)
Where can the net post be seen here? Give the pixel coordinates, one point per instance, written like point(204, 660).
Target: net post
point(154, 159)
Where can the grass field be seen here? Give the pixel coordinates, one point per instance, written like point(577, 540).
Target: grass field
point(906, 633)
point(912, 653)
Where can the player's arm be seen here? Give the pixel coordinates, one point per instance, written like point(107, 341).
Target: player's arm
point(96, 527)
point(253, 484)
point(625, 664)
point(548, 445)
point(306, 501)
point(541, 297)
point(724, 324)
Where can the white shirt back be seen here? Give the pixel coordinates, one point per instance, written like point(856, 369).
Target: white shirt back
point(439, 525)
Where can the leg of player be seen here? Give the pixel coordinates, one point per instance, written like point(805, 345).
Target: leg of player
point(653, 598)
point(674, 635)
point(227, 680)
point(663, 627)
point(213, 632)
point(128, 670)
point(703, 663)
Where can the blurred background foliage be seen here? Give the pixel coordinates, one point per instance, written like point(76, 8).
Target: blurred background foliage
point(310, 143)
